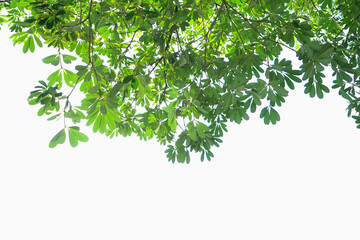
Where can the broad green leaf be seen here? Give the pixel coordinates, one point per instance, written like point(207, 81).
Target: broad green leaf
point(59, 138)
point(69, 77)
point(110, 121)
point(143, 80)
point(52, 59)
point(94, 89)
point(201, 129)
point(55, 77)
point(74, 141)
point(114, 90)
point(68, 58)
point(79, 135)
point(128, 78)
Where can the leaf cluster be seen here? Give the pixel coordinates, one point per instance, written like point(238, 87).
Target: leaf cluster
point(180, 71)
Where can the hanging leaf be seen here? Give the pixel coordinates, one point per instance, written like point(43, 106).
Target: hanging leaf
point(59, 138)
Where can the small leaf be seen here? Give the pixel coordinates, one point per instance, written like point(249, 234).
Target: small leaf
point(128, 78)
point(192, 131)
point(55, 77)
point(31, 44)
point(26, 46)
point(325, 88)
point(103, 109)
point(69, 77)
point(53, 117)
point(79, 135)
point(41, 111)
point(38, 41)
point(68, 58)
point(72, 138)
point(59, 138)
point(94, 89)
point(201, 129)
point(142, 80)
point(52, 59)
point(115, 89)
point(110, 121)
point(319, 91)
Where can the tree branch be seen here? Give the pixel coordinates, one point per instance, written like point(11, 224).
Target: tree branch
point(209, 30)
point(232, 21)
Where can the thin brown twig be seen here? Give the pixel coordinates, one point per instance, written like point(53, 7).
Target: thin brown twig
point(312, 2)
point(263, 37)
point(156, 63)
point(232, 21)
point(210, 28)
point(78, 79)
point(346, 26)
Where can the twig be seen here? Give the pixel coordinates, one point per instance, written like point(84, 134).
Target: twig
point(242, 41)
point(210, 28)
point(131, 41)
point(156, 63)
point(162, 97)
point(312, 2)
point(263, 37)
point(346, 26)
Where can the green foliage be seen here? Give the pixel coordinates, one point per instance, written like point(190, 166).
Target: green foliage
point(179, 71)
point(74, 137)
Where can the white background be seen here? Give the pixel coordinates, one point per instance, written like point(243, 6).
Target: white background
point(299, 179)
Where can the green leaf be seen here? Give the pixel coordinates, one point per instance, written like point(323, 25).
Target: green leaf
point(115, 89)
point(74, 141)
point(192, 131)
point(325, 52)
point(53, 117)
point(69, 77)
point(103, 124)
point(52, 59)
point(55, 77)
point(201, 129)
point(110, 121)
point(41, 111)
point(128, 78)
point(325, 88)
point(274, 116)
point(312, 91)
point(68, 58)
point(26, 46)
point(103, 109)
point(142, 80)
point(289, 83)
point(172, 121)
point(31, 44)
point(59, 138)
point(38, 41)
point(79, 135)
point(94, 89)
point(319, 92)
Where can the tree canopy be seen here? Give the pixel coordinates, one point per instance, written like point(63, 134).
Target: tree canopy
point(180, 71)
